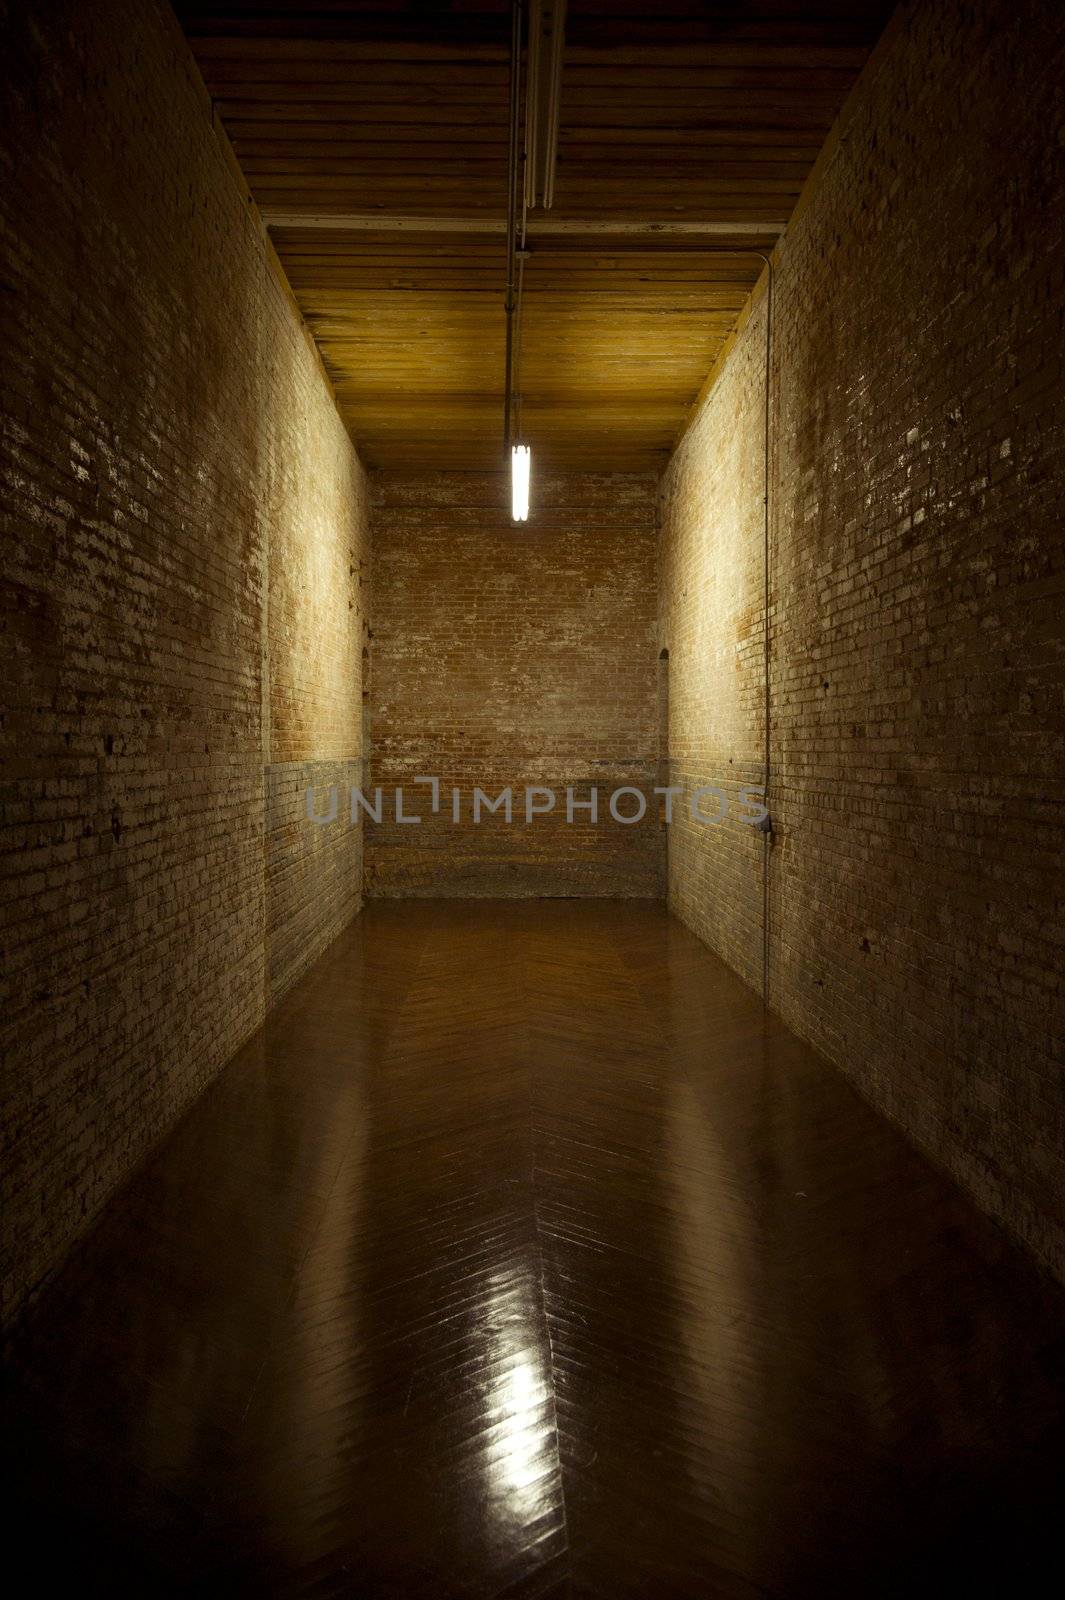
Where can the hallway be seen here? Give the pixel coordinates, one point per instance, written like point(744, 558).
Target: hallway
point(521, 1254)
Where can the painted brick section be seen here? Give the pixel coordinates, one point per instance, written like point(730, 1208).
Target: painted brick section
point(184, 533)
point(916, 927)
point(513, 655)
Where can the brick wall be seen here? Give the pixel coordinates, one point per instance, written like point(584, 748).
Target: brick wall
point(916, 656)
point(184, 539)
point(514, 655)
point(317, 631)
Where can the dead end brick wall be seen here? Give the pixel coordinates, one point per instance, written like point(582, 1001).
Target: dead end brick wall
point(507, 655)
point(916, 610)
point(183, 604)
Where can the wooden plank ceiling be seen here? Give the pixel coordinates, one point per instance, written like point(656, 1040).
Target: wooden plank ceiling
point(374, 139)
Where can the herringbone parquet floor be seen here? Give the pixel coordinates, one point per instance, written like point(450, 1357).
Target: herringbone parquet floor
point(521, 1256)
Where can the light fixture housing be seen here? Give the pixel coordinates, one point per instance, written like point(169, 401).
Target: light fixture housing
point(520, 469)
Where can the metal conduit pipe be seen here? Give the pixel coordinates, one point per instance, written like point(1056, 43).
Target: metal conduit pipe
point(554, 101)
point(514, 168)
point(768, 827)
point(532, 98)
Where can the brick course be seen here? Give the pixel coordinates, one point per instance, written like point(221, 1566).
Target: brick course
point(183, 602)
point(917, 578)
point(507, 655)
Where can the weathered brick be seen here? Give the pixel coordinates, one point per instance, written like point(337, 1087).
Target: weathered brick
point(915, 615)
point(511, 654)
point(184, 571)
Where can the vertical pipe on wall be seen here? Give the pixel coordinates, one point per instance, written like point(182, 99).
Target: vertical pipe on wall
point(767, 835)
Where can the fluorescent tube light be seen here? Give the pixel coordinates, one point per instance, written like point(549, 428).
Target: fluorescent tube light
point(520, 467)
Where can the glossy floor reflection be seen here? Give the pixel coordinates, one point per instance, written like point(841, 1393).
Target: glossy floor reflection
point(520, 1255)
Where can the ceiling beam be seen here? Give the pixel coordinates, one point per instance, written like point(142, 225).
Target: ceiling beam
point(387, 222)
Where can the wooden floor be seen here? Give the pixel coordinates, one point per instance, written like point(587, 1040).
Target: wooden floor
point(520, 1256)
